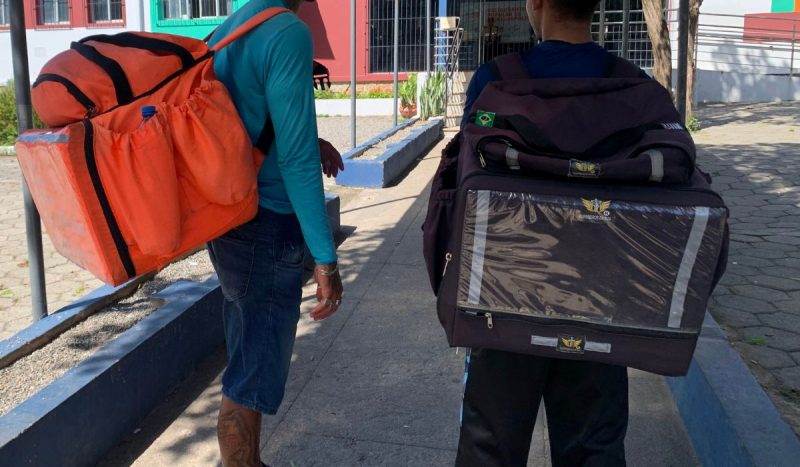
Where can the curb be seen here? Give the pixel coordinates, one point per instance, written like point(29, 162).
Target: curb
point(7, 151)
point(730, 419)
point(51, 326)
point(75, 420)
point(380, 172)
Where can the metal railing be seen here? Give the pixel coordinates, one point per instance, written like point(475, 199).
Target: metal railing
point(753, 44)
point(449, 35)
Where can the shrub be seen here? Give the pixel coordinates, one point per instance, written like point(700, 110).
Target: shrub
point(8, 115)
point(432, 96)
point(408, 91)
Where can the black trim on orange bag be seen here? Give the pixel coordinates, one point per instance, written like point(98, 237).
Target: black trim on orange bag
point(71, 88)
point(127, 39)
point(122, 86)
point(113, 226)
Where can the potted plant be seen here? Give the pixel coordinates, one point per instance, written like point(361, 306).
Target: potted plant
point(408, 97)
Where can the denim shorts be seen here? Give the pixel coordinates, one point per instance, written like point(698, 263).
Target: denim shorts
point(260, 270)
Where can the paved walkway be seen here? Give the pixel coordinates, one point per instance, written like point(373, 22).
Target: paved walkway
point(376, 384)
point(65, 281)
point(753, 153)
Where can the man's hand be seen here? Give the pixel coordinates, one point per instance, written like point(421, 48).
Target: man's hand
point(331, 159)
point(329, 291)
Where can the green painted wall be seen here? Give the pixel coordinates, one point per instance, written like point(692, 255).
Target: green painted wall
point(782, 6)
point(197, 28)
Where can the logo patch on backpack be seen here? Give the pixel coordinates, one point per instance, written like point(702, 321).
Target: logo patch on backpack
point(571, 344)
point(583, 169)
point(485, 119)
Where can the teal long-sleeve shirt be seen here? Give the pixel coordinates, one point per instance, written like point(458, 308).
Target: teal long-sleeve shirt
point(269, 73)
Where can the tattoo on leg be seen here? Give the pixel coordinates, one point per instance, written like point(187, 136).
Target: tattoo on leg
point(238, 433)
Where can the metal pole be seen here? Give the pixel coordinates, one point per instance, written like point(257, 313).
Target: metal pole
point(33, 226)
point(428, 36)
point(352, 74)
point(683, 58)
point(626, 28)
point(396, 53)
point(602, 24)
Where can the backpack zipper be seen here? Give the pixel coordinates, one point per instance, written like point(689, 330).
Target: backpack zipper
point(447, 258)
point(490, 316)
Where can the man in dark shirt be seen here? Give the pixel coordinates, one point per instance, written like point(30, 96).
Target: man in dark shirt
point(586, 403)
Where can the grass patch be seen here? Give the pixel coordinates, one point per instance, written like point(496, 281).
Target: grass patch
point(693, 124)
point(6, 293)
point(757, 340)
point(79, 291)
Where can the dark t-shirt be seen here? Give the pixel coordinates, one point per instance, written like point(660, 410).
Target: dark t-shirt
point(550, 59)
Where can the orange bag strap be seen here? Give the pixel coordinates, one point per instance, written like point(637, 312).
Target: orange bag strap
point(248, 26)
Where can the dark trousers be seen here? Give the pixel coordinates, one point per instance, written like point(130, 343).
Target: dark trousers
point(586, 405)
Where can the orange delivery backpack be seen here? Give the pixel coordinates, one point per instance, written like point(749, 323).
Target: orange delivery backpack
point(122, 195)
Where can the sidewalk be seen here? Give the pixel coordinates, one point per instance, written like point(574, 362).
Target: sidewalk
point(753, 153)
point(376, 384)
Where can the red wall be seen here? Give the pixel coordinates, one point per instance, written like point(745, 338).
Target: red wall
point(772, 27)
point(329, 22)
point(79, 16)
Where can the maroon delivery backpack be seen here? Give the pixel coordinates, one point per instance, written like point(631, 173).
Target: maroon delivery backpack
point(568, 220)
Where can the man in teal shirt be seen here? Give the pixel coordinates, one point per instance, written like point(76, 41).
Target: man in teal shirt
point(268, 73)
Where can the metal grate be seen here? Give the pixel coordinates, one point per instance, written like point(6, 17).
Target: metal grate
point(640, 50)
point(491, 28)
point(411, 53)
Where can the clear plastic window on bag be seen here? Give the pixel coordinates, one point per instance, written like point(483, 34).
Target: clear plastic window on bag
point(603, 261)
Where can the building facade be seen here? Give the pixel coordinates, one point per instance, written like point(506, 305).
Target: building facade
point(737, 37)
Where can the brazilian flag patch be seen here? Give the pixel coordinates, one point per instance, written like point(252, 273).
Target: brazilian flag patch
point(485, 119)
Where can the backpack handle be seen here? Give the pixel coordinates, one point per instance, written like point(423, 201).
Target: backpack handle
point(248, 26)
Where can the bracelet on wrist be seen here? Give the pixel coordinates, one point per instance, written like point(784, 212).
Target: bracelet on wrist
point(329, 272)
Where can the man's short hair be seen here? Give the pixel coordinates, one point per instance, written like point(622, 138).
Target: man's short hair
point(575, 9)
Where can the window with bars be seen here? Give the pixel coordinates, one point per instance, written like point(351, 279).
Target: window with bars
point(4, 13)
point(105, 11)
point(611, 19)
point(194, 9)
point(52, 12)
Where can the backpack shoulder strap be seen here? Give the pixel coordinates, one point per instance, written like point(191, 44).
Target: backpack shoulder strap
point(509, 66)
point(248, 26)
point(618, 67)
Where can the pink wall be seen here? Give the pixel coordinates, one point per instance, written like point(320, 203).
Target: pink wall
point(329, 21)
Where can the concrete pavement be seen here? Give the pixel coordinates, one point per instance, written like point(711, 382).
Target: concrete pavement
point(753, 153)
point(376, 384)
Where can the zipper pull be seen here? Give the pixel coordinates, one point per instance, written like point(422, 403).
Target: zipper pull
point(489, 322)
point(447, 258)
